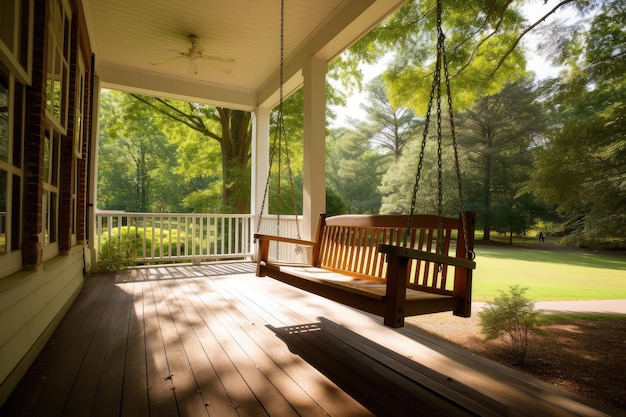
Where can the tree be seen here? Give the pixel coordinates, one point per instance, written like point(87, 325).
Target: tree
point(132, 154)
point(398, 182)
point(498, 133)
point(582, 166)
point(388, 127)
point(231, 129)
point(354, 170)
point(480, 45)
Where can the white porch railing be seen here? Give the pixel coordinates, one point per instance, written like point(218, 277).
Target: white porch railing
point(176, 237)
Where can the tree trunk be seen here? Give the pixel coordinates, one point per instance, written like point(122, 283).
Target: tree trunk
point(487, 197)
point(235, 144)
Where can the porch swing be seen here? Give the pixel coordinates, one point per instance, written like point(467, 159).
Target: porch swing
point(393, 266)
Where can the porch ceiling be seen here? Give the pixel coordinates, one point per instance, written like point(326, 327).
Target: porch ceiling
point(127, 35)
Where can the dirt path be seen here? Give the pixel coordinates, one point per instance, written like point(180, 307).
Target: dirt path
point(579, 306)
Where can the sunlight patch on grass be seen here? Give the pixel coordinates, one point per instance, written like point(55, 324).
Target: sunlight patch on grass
point(549, 275)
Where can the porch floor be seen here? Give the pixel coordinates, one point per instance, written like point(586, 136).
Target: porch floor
point(216, 340)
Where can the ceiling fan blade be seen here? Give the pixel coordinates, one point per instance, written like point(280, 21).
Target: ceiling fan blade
point(167, 60)
point(217, 58)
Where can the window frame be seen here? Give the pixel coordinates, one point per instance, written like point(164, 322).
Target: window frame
point(11, 256)
point(17, 56)
point(59, 57)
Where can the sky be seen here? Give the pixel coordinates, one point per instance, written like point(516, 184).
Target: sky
point(536, 63)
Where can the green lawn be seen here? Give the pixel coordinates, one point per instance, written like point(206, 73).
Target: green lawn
point(549, 274)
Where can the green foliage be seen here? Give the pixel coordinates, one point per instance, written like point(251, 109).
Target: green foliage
point(335, 204)
point(512, 319)
point(116, 254)
point(137, 161)
point(122, 250)
point(497, 136)
point(354, 170)
point(479, 43)
point(387, 127)
point(399, 181)
point(580, 167)
point(290, 156)
point(155, 152)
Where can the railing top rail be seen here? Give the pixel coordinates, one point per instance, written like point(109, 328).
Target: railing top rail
point(104, 213)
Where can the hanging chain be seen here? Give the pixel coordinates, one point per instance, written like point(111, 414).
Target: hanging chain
point(421, 158)
point(267, 186)
point(278, 143)
point(441, 61)
point(469, 254)
point(282, 124)
point(431, 99)
point(440, 41)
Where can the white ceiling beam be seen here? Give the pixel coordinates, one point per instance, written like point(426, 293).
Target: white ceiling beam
point(155, 84)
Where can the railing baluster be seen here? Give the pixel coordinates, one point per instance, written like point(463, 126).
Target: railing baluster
point(188, 236)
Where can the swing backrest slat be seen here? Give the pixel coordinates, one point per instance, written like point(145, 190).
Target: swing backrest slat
point(349, 244)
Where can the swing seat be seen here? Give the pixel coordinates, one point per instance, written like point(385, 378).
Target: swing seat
point(358, 260)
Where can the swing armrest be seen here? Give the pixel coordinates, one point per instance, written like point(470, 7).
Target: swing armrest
point(264, 247)
point(426, 256)
point(269, 238)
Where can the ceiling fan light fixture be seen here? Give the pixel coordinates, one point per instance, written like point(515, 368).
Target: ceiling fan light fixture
point(195, 54)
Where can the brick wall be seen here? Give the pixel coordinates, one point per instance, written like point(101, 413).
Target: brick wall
point(33, 146)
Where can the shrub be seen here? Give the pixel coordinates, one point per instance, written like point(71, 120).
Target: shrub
point(511, 318)
point(116, 254)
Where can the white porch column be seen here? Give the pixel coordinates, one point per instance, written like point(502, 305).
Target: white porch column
point(260, 160)
point(90, 253)
point(314, 170)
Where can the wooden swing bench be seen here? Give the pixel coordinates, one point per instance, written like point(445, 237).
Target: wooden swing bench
point(359, 261)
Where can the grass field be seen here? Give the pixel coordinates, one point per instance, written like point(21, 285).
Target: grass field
point(549, 274)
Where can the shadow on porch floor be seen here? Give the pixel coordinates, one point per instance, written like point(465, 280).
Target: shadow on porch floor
point(215, 340)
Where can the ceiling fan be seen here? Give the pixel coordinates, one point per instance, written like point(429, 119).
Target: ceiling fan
point(195, 54)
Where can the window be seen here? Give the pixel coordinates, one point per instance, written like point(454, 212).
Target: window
point(4, 157)
point(12, 99)
point(58, 63)
point(50, 203)
point(16, 37)
point(15, 23)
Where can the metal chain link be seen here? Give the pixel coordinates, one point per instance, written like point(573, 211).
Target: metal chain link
point(469, 254)
point(436, 87)
point(267, 185)
point(440, 40)
point(421, 158)
point(278, 143)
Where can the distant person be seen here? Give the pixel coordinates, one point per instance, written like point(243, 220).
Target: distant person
point(542, 237)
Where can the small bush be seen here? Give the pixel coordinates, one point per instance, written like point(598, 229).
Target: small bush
point(511, 318)
point(116, 254)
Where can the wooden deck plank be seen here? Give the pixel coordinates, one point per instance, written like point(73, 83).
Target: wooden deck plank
point(416, 373)
point(267, 394)
point(217, 327)
point(62, 379)
point(511, 388)
point(316, 394)
point(382, 390)
point(103, 365)
point(173, 324)
point(240, 396)
point(108, 398)
point(161, 396)
point(135, 394)
point(214, 395)
point(327, 356)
